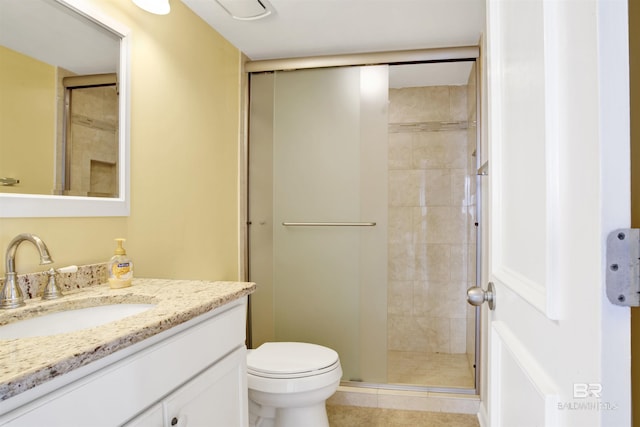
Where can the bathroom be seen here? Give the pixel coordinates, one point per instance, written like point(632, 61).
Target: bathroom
point(171, 224)
point(184, 213)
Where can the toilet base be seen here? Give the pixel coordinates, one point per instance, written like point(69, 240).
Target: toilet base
point(307, 416)
point(286, 417)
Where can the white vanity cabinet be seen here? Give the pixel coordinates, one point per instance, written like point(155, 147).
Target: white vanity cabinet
point(191, 375)
point(213, 398)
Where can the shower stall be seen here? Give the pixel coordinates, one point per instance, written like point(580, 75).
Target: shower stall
point(362, 218)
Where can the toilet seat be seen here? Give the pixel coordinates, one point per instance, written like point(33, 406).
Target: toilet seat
point(287, 360)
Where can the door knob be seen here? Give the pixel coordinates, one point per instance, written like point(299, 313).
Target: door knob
point(476, 296)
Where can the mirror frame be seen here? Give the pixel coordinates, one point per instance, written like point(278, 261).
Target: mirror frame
point(34, 205)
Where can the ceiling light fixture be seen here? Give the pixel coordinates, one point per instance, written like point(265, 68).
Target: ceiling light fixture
point(159, 7)
point(245, 10)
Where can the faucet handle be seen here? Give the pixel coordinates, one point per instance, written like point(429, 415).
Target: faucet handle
point(52, 290)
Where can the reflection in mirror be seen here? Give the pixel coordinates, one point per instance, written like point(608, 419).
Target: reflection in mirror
point(89, 145)
point(63, 110)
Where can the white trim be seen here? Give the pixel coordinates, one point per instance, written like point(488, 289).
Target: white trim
point(483, 416)
point(551, 291)
point(374, 58)
point(614, 141)
point(504, 342)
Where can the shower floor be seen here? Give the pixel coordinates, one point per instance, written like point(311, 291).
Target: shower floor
point(429, 369)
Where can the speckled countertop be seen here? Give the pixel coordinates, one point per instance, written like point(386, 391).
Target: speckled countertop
point(28, 362)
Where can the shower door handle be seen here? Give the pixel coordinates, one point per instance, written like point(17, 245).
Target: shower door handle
point(476, 296)
point(329, 224)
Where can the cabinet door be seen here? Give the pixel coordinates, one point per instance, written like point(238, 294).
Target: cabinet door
point(152, 417)
point(217, 397)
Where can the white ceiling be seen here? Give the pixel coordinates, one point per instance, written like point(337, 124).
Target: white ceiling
point(297, 28)
point(54, 34)
point(294, 28)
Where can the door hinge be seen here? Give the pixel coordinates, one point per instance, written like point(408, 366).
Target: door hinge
point(623, 267)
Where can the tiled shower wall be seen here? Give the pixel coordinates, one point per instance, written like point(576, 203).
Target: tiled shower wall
point(94, 140)
point(431, 231)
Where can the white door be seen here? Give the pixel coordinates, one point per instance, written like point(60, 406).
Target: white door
point(558, 149)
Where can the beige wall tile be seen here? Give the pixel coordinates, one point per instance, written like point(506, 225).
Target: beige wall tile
point(462, 187)
point(438, 150)
point(404, 187)
point(433, 262)
point(459, 334)
point(401, 262)
point(470, 331)
point(351, 396)
point(420, 187)
point(446, 300)
point(424, 104)
point(460, 262)
point(437, 331)
point(432, 185)
point(406, 334)
point(459, 406)
point(400, 224)
point(421, 306)
point(458, 103)
point(400, 146)
point(400, 297)
point(401, 248)
point(471, 259)
point(436, 188)
point(408, 402)
point(440, 224)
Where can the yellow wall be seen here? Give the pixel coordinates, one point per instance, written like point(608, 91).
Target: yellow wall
point(634, 63)
point(184, 154)
point(28, 89)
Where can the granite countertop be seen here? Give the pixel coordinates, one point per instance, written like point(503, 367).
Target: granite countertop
point(28, 362)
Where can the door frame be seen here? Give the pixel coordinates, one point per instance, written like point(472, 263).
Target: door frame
point(462, 53)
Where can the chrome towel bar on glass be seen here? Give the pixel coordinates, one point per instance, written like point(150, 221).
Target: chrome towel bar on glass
point(329, 224)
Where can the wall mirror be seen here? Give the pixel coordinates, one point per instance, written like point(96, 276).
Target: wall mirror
point(64, 110)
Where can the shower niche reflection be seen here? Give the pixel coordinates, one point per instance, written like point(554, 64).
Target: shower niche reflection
point(393, 145)
point(89, 146)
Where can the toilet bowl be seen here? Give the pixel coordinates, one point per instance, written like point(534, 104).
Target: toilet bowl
point(289, 383)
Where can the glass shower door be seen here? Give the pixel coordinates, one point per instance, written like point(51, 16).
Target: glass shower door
point(318, 212)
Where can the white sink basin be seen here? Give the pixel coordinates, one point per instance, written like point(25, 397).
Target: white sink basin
point(70, 320)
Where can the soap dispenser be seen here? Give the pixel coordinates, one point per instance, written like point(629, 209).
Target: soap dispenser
point(120, 267)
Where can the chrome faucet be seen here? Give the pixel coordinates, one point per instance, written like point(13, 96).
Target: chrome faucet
point(11, 295)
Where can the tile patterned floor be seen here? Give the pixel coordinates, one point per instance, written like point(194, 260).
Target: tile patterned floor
point(355, 416)
point(429, 369)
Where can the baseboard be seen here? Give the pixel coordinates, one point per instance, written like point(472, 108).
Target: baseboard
point(406, 400)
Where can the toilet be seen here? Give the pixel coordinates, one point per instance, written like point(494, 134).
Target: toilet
point(289, 383)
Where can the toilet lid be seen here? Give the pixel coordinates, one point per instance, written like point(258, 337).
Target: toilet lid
point(282, 358)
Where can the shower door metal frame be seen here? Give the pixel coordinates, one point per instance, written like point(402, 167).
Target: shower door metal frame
point(454, 54)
